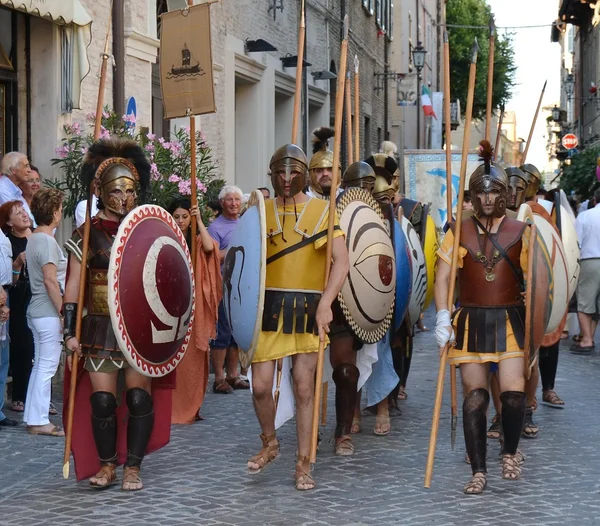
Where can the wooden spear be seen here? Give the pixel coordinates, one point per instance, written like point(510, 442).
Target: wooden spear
point(449, 190)
point(453, 269)
point(499, 132)
point(295, 119)
point(339, 115)
point(537, 111)
point(349, 148)
point(85, 247)
point(194, 195)
point(356, 109)
point(299, 71)
point(490, 82)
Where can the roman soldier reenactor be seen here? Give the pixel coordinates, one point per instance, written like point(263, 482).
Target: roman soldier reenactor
point(488, 327)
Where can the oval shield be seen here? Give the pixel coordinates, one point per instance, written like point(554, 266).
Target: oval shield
point(419, 271)
point(367, 296)
point(403, 274)
point(429, 242)
point(244, 274)
point(568, 236)
point(151, 291)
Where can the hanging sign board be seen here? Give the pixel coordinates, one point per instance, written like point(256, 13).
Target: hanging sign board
point(186, 70)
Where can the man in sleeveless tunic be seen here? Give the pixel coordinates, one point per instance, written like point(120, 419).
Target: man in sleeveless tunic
point(488, 325)
point(118, 168)
point(297, 307)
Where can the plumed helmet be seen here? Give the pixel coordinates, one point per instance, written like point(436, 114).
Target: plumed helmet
point(359, 175)
point(534, 179)
point(117, 164)
point(486, 178)
point(287, 159)
point(383, 192)
point(322, 156)
point(517, 186)
point(383, 165)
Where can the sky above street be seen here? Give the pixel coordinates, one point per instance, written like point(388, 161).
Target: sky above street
point(537, 60)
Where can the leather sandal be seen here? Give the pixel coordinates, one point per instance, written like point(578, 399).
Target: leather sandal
point(302, 477)
point(380, 421)
point(511, 467)
point(222, 387)
point(131, 475)
point(476, 485)
point(108, 473)
point(496, 428)
point(344, 446)
point(552, 399)
point(238, 383)
point(530, 429)
point(268, 453)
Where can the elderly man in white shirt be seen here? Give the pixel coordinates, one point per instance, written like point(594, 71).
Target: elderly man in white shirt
point(16, 170)
point(587, 226)
point(5, 281)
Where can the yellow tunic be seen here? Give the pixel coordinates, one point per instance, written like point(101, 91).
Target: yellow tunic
point(458, 356)
point(302, 270)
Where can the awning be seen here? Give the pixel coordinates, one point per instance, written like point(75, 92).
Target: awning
point(64, 12)
point(76, 37)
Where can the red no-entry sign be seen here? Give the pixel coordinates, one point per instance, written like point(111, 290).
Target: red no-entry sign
point(570, 141)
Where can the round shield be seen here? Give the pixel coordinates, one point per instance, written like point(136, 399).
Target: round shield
point(151, 291)
point(572, 253)
point(367, 296)
point(419, 270)
point(560, 296)
point(429, 242)
point(244, 274)
point(403, 274)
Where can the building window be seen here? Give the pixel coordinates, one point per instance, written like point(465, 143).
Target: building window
point(368, 5)
point(367, 135)
point(410, 43)
point(379, 13)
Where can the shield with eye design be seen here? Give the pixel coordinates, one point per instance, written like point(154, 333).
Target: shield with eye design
point(368, 294)
point(419, 270)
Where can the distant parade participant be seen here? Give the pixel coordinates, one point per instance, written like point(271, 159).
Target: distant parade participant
point(120, 170)
point(492, 256)
point(297, 307)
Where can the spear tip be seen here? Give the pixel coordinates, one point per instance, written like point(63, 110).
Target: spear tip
point(445, 36)
point(492, 26)
point(356, 64)
point(474, 51)
point(346, 27)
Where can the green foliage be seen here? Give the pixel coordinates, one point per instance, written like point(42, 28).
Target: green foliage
point(478, 13)
point(580, 176)
point(170, 161)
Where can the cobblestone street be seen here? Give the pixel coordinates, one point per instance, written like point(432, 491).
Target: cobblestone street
point(200, 478)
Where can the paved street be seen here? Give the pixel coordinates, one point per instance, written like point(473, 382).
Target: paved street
point(200, 478)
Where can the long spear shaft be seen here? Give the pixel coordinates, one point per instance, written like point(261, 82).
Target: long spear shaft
point(499, 132)
point(84, 252)
point(490, 82)
point(339, 115)
point(193, 175)
point(299, 71)
point(349, 148)
point(537, 111)
point(356, 109)
point(453, 269)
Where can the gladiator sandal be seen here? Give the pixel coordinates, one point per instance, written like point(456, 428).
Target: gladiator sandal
point(106, 477)
point(344, 446)
point(268, 453)
point(530, 429)
point(496, 428)
point(477, 484)
point(303, 477)
point(511, 467)
point(131, 479)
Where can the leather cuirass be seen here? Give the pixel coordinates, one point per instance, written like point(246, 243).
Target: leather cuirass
point(475, 287)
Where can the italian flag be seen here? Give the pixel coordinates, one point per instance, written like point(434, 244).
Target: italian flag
point(426, 102)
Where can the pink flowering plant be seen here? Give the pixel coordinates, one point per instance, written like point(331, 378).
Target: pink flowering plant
point(169, 160)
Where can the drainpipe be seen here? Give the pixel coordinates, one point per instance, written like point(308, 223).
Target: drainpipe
point(118, 33)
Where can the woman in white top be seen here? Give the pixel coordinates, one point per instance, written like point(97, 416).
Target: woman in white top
point(47, 267)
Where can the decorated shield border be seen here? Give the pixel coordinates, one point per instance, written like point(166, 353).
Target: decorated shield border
point(343, 200)
point(257, 199)
point(134, 218)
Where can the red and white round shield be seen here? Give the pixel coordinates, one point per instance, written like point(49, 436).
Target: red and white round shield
point(151, 291)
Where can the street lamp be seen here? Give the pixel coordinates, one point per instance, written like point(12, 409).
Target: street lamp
point(419, 54)
point(556, 113)
point(570, 85)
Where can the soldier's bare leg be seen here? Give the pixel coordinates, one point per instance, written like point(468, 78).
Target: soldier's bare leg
point(262, 397)
point(530, 430)
point(104, 426)
point(303, 371)
point(512, 384)
point(475, 382)
point(345, 376)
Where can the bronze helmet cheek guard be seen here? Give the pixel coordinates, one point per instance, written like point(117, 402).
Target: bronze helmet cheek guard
point(288, 158)
point(487, 178)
